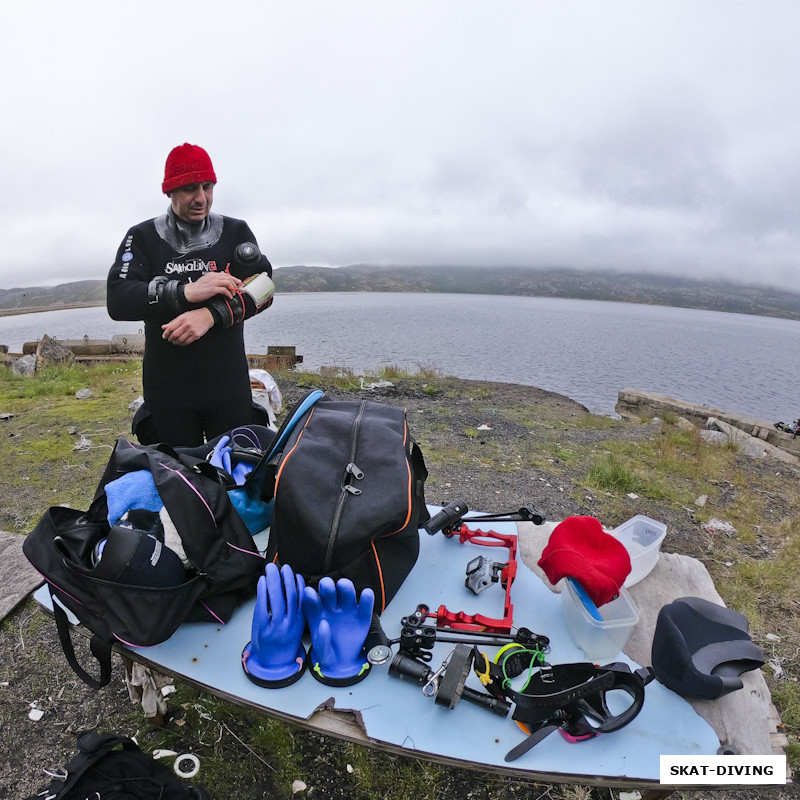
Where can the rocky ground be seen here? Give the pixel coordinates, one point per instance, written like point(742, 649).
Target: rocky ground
point(498, 446)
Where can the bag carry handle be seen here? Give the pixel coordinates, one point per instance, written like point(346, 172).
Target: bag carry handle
point(101, 650)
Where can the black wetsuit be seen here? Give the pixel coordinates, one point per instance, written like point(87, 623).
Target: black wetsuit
point(202, 388)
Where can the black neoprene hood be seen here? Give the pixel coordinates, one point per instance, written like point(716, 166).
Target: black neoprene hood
point(700, 649)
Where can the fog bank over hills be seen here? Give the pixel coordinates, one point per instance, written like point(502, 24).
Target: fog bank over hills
point(626, 287)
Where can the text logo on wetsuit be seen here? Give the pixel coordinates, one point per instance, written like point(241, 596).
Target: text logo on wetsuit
point(183, 267)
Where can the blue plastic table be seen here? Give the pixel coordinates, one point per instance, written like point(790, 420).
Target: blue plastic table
point(395, 715)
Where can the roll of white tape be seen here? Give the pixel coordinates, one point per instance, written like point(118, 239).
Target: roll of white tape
point(187, 773)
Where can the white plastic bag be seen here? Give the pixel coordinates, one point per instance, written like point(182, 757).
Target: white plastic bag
point(269, 396)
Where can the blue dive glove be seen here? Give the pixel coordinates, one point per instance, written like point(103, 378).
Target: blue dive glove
point(274, 656)
point(223, 457)
point(241, 471)
point(221, 454)
point(339, 625)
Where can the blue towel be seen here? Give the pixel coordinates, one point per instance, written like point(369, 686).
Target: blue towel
point(135, 489)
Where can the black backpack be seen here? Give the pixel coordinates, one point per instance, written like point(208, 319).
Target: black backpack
point(348, 484)
point(112, 767)
point(224, 562)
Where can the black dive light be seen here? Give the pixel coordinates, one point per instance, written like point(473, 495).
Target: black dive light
point(452, 516)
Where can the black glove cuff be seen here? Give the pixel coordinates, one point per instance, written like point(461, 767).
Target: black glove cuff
point(227, 312)
point(169, 292)
point(174, 297)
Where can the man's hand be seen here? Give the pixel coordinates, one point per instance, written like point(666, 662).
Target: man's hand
point(188, 327)
point(211, 284)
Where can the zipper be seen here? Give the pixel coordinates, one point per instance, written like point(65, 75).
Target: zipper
point(351, 472)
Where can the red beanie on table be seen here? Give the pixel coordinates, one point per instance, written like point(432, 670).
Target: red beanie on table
point(579, 548)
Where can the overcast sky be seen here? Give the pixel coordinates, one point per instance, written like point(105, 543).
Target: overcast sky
point(643, 135)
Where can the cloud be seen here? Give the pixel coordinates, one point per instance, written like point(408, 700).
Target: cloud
point(658, 136)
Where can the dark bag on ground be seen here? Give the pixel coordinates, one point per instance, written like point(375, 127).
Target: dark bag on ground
point(349, 494)
point(121, 581)
point(112, 767)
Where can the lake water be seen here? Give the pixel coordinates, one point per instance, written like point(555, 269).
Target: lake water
point(584, 349)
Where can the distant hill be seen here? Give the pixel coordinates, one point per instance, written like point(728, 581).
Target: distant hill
point(623, 287)
point(48, 298)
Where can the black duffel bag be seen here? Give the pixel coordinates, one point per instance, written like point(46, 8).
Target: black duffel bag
point(119, 599)
point(349, 495)
point(109, 766)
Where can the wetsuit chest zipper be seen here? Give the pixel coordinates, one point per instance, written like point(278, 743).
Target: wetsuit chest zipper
point(352, 472)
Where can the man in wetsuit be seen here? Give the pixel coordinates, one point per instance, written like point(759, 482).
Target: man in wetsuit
point(193, 277)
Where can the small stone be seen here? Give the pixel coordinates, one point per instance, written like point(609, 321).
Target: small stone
point(83, 394)
point(719, 526)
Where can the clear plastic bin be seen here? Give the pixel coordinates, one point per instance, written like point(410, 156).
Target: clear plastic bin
point(642, 538)
point(598, 638)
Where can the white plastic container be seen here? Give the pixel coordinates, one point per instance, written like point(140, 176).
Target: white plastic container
point(599, 638)
point(642, 538)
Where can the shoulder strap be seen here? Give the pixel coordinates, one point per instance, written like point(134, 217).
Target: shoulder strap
point(101, 649)
point(310, 399)
point(256, 478)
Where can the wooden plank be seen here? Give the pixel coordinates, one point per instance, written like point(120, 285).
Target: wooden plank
point(17, 577)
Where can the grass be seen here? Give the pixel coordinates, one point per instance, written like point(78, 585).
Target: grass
point(674, 467)
point(42, 464)
point(345, 379)
point(610, 472)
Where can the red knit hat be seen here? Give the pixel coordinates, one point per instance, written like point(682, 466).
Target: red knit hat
point(579, 548)
point(187, 163)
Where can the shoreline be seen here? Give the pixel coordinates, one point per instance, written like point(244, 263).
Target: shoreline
point(713, 379)
point(786, 314)
point(14, 312)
